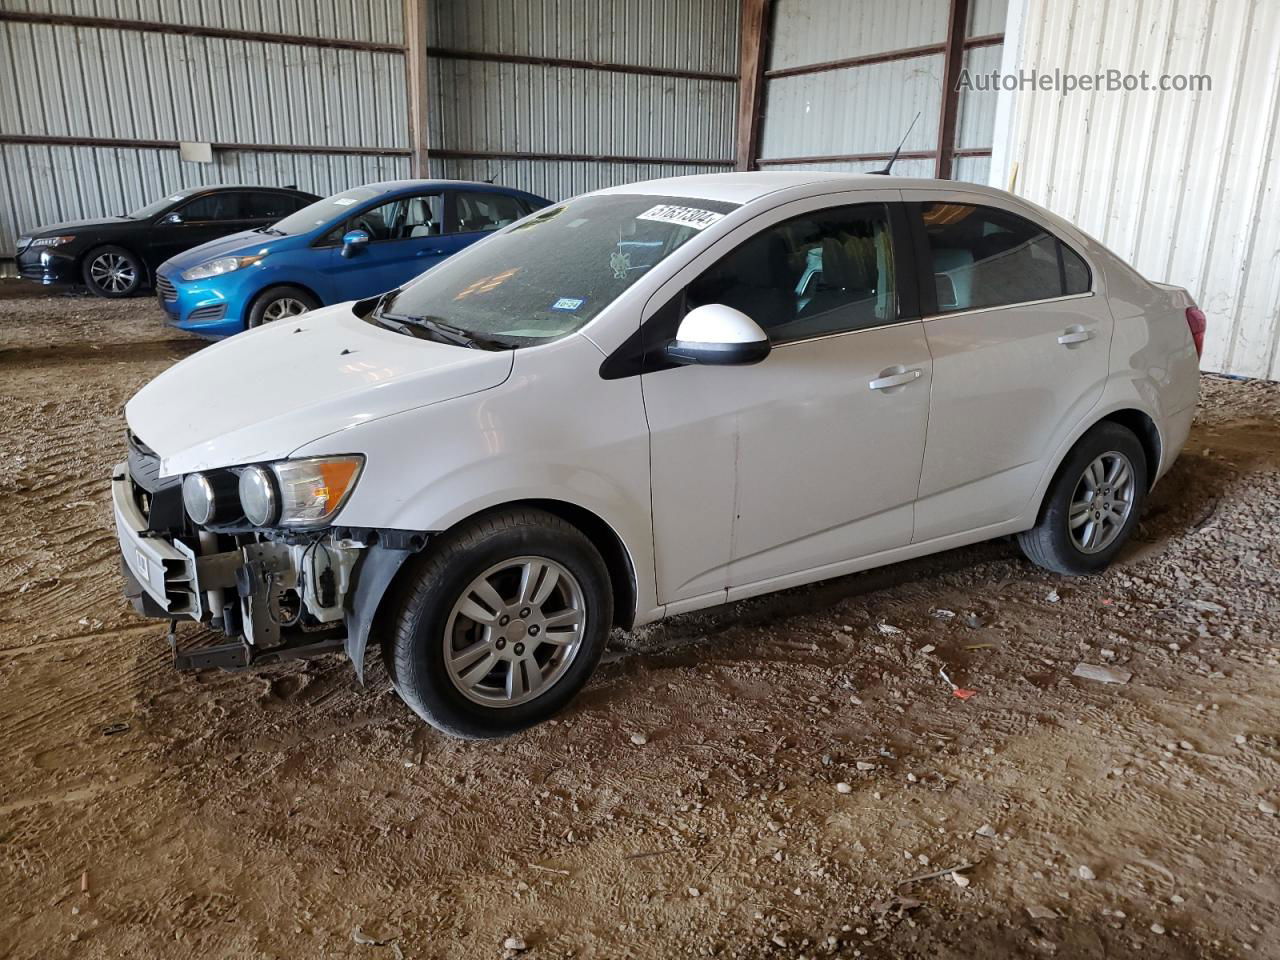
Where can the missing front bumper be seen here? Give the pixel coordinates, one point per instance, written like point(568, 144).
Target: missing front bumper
point(258, 591)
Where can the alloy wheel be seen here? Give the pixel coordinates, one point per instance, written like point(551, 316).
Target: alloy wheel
point(113, 273)
point(1102, 502)
point(514, 632)
point(283, 307)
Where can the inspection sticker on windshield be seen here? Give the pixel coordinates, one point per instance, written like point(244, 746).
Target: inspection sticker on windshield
point(344, 201)
point(690, 217)
point(568, 304)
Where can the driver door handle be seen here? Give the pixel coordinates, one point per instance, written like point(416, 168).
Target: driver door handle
point(1075, 335)
point(894, 380)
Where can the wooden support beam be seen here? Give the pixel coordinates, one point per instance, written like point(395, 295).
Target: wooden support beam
point(868, 157)
point(191, 30)
point(447, 154)
point(606, 66)
point(952, 63)
point(415, 75)
point(135, 143)
point(751, 57)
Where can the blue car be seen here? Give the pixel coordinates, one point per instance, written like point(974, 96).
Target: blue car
point(352, 245)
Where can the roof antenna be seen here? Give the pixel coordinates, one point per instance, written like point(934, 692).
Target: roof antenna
point(492, 176)
point(892, 160)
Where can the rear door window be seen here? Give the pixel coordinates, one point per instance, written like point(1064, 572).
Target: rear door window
point(985, 257)
point(477, 212)
point(212, 207)
point(265, 205)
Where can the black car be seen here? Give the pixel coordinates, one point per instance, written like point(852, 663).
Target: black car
point(117, 256)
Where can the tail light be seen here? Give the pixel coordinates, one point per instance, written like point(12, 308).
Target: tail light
point(1197, 322)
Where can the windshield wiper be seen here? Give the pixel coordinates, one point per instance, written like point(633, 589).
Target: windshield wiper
point(271, 230)
point(437, 330)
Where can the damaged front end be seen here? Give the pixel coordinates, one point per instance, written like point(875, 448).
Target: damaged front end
point(278, 589)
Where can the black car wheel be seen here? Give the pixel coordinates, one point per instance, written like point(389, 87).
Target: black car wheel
point(1092, 505)
point(112, 272)
point(280, 303)
point(499, 624)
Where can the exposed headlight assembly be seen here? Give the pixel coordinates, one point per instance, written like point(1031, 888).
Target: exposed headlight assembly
point(298, 493)
point(216, 268)
point(210, 497)
point(52, 241)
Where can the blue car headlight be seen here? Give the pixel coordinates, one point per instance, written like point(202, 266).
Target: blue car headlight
point(216, 268)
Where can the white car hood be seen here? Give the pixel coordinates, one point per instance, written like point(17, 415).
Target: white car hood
point(263, 394)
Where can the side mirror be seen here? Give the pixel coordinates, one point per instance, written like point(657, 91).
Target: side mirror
point(720, 336)
point(173, 218)
point(353, 241)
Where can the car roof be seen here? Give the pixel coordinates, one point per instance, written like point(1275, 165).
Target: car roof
point(388, 186)
point(220, 187)
point(745, 187)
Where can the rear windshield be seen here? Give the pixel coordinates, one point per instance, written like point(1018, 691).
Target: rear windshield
point(325, 211)
point(552, 272)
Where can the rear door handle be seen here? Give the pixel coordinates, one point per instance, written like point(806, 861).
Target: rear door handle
point(894, 379)
point(1075, 335)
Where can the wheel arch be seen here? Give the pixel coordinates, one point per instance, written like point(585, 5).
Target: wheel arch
point(1127, 415)
point(1148, 434)
point(617, 560)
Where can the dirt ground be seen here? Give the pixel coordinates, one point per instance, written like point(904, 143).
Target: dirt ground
point(763, 780)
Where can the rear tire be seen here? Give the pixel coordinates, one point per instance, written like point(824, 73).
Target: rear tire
point(280, 303)
point(1093, 503)
point(500, 624)
point(112, 272)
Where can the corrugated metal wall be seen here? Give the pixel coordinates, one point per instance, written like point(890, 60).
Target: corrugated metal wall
point(156, 86)
point(673, 34)
point(127, 84)
point(480, 107)
point(866, 109)
point(1182, 185)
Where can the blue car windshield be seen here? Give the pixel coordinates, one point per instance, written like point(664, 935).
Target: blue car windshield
point(549, 274)
point(324, 211)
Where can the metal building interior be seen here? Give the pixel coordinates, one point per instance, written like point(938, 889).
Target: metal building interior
point(793, 775)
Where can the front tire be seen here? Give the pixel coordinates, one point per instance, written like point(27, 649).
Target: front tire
point(1092, 505)
point(280, 303)
point(500, 624)
point(112, 272)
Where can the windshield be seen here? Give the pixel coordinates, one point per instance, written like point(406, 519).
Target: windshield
point(324, 211)
point(552, 272)
point(158, 206)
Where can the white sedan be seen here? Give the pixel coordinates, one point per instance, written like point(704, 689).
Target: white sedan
point(644, 401)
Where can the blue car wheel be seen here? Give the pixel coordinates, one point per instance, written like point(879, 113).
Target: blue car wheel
point(280, 303)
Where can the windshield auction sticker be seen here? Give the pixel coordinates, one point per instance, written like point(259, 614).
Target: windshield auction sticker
point(690, 217)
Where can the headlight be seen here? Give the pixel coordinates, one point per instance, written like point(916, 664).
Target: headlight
point(298, 493)
point(210, 497)
point(52, 241)
point(258, 497)
point(216, 268)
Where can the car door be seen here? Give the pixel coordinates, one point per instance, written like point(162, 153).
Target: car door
point(405, 238)
point(781, 472)
point(1020, 342)
point(198, 220)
